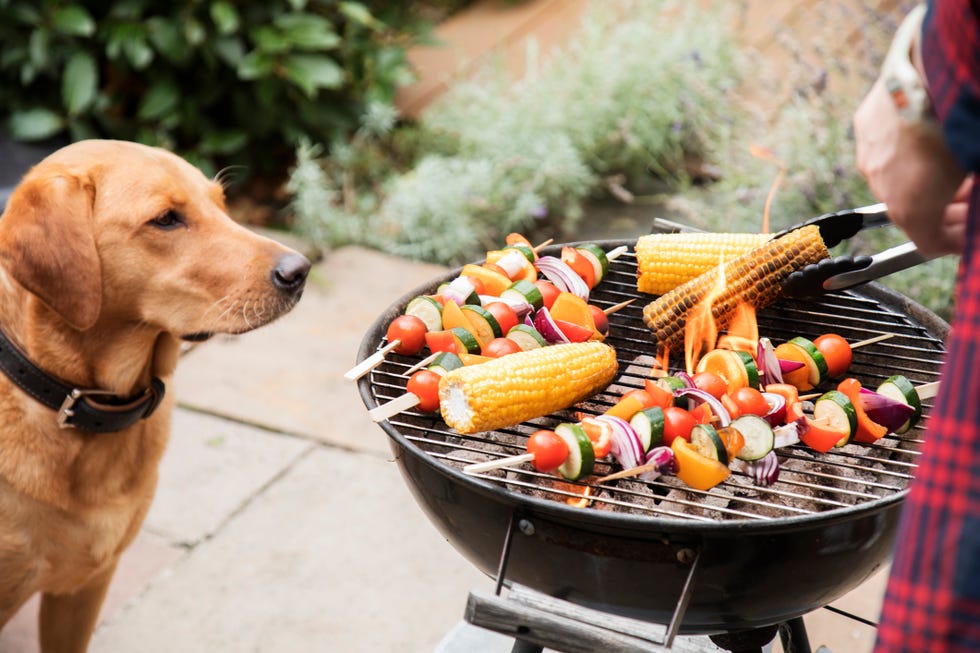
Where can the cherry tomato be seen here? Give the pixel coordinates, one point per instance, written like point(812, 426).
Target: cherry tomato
point(500, 347)
point(750, 401)
point(601, 319)
point(549, 450)
point(504, 314)
point(711, 383)
point(677, 424)
point(409, 330)
point(424, 384)
point(548, 290)
point(836, 351)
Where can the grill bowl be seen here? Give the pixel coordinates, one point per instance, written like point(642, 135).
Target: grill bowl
point(755, 567)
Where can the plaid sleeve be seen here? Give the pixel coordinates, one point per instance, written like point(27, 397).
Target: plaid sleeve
point(951, 58)
point(933, 598)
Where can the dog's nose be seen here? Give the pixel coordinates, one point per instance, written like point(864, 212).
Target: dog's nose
point(290, 272)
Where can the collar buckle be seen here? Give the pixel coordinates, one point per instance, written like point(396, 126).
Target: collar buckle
point(66, 412)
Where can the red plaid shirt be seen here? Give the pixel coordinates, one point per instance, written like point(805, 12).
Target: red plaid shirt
point(932, 604)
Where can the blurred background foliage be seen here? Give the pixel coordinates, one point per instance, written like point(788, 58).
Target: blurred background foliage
point(219, 82)
point(653, 108)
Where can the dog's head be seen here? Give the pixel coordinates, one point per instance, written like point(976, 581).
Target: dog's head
point(124, 233)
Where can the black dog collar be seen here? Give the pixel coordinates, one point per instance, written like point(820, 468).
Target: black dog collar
point(97, 411)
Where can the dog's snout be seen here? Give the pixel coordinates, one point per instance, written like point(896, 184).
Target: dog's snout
point(290, 272)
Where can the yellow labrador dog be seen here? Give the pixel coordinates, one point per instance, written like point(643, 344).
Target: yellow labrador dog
point(111, 254)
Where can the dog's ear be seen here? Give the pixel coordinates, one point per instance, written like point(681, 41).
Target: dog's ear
point(47, 244)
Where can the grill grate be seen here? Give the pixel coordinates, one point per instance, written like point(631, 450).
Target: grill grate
point(809, 482)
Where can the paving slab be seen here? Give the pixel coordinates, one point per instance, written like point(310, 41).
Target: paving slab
point(211, 469)
point(334, 556)
point(289, 375)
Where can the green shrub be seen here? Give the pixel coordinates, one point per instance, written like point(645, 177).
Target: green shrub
point(631, 95)
point(218, 81)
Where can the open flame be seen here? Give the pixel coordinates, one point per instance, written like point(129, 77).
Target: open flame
point(701, 330)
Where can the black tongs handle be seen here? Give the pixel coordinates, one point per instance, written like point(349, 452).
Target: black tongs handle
point(841, 225)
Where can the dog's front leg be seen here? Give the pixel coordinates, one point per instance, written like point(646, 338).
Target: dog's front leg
point(68, 620)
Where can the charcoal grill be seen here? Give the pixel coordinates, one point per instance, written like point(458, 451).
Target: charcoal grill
point(735, 558)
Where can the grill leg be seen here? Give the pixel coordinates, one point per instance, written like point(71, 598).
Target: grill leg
point(746, 641)
point(520, 646)
point(794, 637)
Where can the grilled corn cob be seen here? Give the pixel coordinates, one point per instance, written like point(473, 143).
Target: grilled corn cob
point(665, 261)
point(517, 387)
point(754, 277)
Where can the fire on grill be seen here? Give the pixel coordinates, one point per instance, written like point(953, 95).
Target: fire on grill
point(824, 526)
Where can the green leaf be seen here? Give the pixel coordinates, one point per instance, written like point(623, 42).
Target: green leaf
point(39, 47)
point(229, 49)
point(270, 40)
point(194, 31)
point(73, 20)
point(226, 141)
point(358, 13)
point(168, 39)
point(225, 17)
point(79, 83)
point(34, 124)
point(138, 51)
point(255, 65)
point(160, 100)
point(312, 72)
point(307, 31)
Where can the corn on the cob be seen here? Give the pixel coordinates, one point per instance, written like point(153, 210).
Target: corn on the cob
point(665, 261)
point(754, 277)
point(517, 387)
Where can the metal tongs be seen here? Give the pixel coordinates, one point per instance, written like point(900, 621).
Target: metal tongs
point(844, 271)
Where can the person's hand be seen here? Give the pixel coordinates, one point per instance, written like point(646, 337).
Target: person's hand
point(909, 167)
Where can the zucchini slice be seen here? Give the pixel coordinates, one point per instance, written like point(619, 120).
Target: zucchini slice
point(524, 291)
point(426, 309)
point(526, 337)
point(836, 409)
point(899, 388)
point(759, 437)
point(649, 426)
point(706, 441)
point(816, 364)
point(581, 457)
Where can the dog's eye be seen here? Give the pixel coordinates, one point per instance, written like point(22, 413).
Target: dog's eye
point(168, 220)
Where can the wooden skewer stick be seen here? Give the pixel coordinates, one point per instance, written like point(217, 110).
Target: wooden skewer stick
point(370, 362)
point(393, 407)
point(616, 252)
point(928, 390)
point(538, 248)
point(626, 473)
point(498, 463)
point(871, 341)
point(422, 363)
point(618, 307)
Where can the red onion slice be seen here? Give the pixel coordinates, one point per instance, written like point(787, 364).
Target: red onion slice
point(769, 367)
point(884, 410)
point(560, 274)
point(787, 434)
point(777, 408)
point(724, 417)
point(666, 463)
point(626, 446)
point(765, 471)
point(547, 327)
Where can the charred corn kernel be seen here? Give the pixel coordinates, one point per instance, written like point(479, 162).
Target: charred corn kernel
point(754, 277)
point(665, 261)
point(511, 389)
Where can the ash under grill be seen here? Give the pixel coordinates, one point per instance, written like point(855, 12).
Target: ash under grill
point(809, 482)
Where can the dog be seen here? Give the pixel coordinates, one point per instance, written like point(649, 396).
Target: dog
point(111, 255)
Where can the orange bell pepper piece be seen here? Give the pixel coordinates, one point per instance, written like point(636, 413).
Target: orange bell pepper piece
point(820, 437)
point(630, 404)
point(700, 472)
point(661, 396)
point(868, 431)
